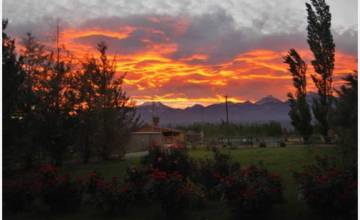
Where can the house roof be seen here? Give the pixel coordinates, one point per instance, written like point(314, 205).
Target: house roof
point(152, 128)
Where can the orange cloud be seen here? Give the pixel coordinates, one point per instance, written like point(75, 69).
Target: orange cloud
point(71, 34)
point(153, 73)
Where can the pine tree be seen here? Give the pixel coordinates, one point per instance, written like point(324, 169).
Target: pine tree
point(299, 109)
point(86, 109)
point(12, 88)
point(107, 114)
point(322, 46)
point(47, 104)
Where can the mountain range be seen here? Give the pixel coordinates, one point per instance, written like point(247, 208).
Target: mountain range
point(266, 109)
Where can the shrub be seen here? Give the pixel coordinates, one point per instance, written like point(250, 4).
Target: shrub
point(252, 192)
point(282, 144)
point(262, 144)
point(208, 172)
point(108, 196)
point(169, 160)
point(173, 192)
point(136, 180)
point(328, 190)
point(17, 196)
point(61, 193)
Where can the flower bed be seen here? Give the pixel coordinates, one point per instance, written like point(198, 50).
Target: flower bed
point(167, 177)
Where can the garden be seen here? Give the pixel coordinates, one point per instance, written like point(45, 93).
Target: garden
point(267, 183)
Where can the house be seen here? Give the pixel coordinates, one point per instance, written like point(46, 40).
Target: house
point(154, 135)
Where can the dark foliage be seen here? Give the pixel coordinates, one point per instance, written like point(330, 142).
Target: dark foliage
point(18, 196)
point(52, 105)
point(329, 190)
point(252, 192)
point(59, 192)
point(13, 78)
point(299, 113)
point(209, 172)
point(321, 44)
point(169, 160)
point(344, 119)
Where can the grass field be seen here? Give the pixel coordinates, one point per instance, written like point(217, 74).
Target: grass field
point(279, 160)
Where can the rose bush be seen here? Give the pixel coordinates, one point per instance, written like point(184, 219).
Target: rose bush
point(169, 159)
point(329, 190)
point(136, 180)
point(208, 172)
point(18, 196)
point(174, 193)
point(108, 196)
point(252, 192)
point(60, 192)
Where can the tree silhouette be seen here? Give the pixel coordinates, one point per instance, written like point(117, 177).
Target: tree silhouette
point(299, 109)
point(46, 82)
point(13, 78)
point(106, 113)
point(321, 43)
point(345, 118)
point(86, 108)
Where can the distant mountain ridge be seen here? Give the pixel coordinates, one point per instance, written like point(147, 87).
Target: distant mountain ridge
point(266, 109)
point(268, 99)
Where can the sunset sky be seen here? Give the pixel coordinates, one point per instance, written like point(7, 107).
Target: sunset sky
point(190, 51)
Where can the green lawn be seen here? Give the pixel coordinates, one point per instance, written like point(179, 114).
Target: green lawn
point(279, 160)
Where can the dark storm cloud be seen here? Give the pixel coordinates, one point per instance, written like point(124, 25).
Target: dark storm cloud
point(213, 34)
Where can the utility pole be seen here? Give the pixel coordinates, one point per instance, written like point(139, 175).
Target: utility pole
point(227, 119)
point(202, 127)
point(227, 110)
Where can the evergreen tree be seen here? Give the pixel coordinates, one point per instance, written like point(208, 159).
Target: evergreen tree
point(13, 78)
point(107, 114)
point(34, 62)
point(57, 115)
point(86, 109)
point(299, 109)
point(47, 105)
point(322, 46)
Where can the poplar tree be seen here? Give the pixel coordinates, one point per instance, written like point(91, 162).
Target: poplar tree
point(299, 109)
point(321, 44)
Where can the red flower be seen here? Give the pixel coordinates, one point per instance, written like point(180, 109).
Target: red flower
point(177, 175)
point(245, 171)
point(334, 173)
point(159, 175)
point(322, 179)
point(217, 175)
point(249, 193)
point(230, 180)
point(274, 176)
point(93, 174)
